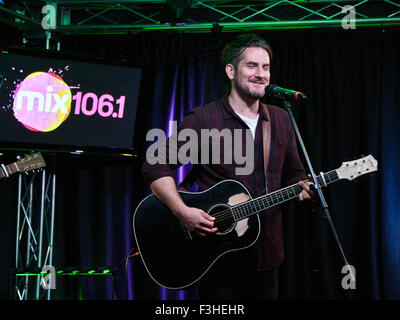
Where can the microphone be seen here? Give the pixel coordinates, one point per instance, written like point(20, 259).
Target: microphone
point(275, 91)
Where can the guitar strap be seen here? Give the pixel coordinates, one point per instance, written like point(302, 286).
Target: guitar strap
point(266, 132)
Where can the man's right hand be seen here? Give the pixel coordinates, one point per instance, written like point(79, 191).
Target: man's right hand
point(196, 220)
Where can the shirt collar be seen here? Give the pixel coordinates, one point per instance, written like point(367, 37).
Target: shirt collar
point(229, 113)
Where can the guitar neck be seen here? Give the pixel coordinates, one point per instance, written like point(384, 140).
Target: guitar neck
point(244, 210)
point(28, 163)
point(8, 170)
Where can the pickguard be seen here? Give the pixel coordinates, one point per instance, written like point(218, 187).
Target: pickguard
point(241, 225)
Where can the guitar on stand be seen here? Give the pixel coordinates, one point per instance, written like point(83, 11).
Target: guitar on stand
point(28, 163)
point(174, 259)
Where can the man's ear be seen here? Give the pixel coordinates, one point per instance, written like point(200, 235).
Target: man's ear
point(230, 71)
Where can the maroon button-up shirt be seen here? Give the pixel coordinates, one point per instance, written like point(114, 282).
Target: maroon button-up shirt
point(284, 168)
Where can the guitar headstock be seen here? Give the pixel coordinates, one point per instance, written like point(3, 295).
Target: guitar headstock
point(31, 162)
point(353, 169)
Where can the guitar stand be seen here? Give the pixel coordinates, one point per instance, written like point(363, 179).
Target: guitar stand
point(317, 187)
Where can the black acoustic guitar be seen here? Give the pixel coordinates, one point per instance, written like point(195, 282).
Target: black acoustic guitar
point(175, 259)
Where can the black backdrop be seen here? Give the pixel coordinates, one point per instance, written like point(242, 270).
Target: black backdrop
point(352, 79)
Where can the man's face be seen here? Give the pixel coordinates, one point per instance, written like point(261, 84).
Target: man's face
point(252, 73)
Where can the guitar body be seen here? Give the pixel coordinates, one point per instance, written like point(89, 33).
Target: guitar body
point(172, 256)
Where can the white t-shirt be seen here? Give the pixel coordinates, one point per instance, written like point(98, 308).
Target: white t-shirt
point(252, 123)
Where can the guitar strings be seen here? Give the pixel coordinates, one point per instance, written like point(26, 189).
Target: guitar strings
point(243, 207)
point(274, 196)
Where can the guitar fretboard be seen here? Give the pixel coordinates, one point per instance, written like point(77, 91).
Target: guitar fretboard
point(269, 200)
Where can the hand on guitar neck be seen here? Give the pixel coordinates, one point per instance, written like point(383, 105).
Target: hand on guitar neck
point(307, 193)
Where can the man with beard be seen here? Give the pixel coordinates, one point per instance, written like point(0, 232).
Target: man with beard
point(250, 273)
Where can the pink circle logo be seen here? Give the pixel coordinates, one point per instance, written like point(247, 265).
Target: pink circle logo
point(42, 102)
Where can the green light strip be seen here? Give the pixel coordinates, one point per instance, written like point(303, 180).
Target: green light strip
point(31, 274)
point(66, 274)
point(105, 272)
point(277, 24)
point(229, 26)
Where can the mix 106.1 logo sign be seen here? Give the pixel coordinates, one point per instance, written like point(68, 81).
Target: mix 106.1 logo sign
point(43, 101)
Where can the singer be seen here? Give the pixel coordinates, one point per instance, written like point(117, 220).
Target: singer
point(250, 273)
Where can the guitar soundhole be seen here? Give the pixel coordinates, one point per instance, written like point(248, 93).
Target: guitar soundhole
point(223, 218)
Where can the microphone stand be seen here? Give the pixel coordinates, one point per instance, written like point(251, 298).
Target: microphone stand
point(317, 187)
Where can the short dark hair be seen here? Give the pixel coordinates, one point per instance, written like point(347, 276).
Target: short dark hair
point(232, 53)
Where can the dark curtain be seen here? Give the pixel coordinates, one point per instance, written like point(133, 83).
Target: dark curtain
point(352, 80)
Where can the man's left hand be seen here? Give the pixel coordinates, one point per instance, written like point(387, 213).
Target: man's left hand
point(307, 192)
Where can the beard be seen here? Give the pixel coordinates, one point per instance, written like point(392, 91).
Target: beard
point(246, 91)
